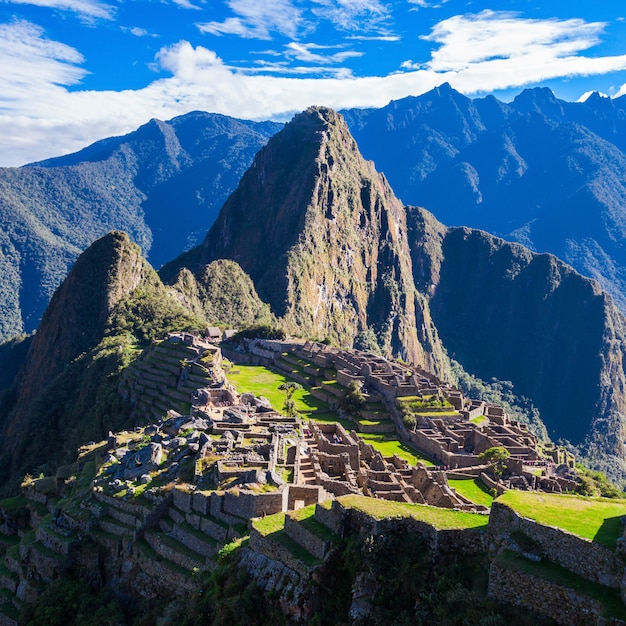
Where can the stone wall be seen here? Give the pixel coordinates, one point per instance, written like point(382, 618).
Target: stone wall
point(466, 541)
point(248, 505)
point(164, 580)
point(585, 558)
point(277, 552)
point(563, 605)
point(182, 500)
point(345, 377)
point(309, 541)
point(308, 494)
point(136, 510)
point(332, 517)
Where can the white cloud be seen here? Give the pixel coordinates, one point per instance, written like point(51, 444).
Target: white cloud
point(467, 40)
point(375, 37)
point(424, 4)
point(257, 20)
point(30, 64)
point(621, 91)
point(186, 4)
point(40, 118)
point(138, 31)
point(304, 52)
point(353, 15)
point(88, 9)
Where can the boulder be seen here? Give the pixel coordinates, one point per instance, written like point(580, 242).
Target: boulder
point(143, 461)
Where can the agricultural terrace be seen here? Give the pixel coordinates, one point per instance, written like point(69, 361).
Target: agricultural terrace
point(439, 518)
point(263, 381)
point(596, 519)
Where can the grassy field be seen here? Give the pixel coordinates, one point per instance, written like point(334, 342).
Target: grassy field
point(474, 490)
point(597, 519)
point(262, 381)
point(441, 519)
point(388, 444)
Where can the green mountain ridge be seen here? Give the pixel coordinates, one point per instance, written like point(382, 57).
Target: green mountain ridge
point(111, 304)
point(51, 211)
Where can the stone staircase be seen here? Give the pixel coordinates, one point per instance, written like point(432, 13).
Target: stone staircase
point(306, 475)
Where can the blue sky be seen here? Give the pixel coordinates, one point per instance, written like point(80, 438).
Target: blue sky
point(74, 71)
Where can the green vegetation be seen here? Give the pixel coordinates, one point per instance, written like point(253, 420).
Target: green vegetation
point(595, 519)
point(367, 341)
point(593, 483)
point(289, 405)
point(472, 489)
point(265, 382)
point(305, 517)
point(388, 444)
point(353, 399)
point(441, 519)
point(273, 526)
point(69, 602)
point(226, 296)
point(496, 457)
point(269, 524)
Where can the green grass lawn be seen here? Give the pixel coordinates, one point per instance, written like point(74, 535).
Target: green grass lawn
point(441, 519)
point(388, 444)
point(478, 420)
point(474, 490)
point(262, 381)
point(596, 519)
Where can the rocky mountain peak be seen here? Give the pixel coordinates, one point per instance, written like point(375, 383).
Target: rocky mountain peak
point(323, 238)
point(108, 271)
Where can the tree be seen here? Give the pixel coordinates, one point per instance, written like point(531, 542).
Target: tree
point(289, 406)
point(353, 399)
point(366, 341)
point(410, 421)
point(496, 457)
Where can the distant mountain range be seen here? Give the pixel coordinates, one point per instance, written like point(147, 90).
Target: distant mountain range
point(546, 173)
point(163, 184)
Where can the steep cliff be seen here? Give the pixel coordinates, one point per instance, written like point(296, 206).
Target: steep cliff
point(323, 237)
point(538, 170)
point(503, 311)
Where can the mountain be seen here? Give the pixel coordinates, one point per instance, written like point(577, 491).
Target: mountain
point(335, 254)
point(503, 311)
point(52, 210)
point(322, 236)
point(111, 304)
point(546, 173)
